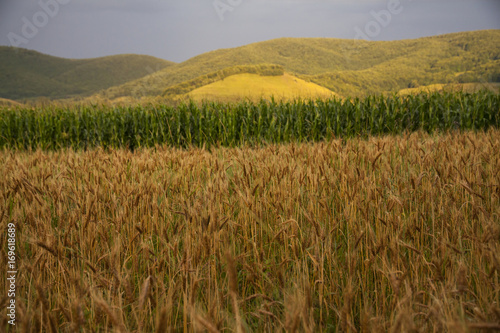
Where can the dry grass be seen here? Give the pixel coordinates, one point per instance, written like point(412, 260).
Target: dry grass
point(393, 234)
point(255, 87)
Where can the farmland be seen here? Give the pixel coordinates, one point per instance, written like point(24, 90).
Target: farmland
point(390, 233)
point(378, 214)
point(246, 123)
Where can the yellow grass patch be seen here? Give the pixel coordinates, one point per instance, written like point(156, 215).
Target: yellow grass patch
point(255, 87)
point(9, 102)
point(452, 87)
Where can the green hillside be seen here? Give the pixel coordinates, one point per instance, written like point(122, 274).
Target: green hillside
point(26, 74)
point(347, 67)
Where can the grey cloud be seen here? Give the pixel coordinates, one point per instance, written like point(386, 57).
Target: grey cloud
point(176, 30)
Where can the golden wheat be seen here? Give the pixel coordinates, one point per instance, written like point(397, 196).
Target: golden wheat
point(385, 234)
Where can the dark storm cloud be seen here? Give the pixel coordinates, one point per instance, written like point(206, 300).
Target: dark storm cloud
point(177, 30)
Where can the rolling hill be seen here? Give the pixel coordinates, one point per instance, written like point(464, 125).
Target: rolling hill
point(347, 67)
point(30, 74)
point(255, 87)
point(8, 102)
point(464, 87)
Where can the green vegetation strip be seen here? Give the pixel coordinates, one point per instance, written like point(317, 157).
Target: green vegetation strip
point(245, 123)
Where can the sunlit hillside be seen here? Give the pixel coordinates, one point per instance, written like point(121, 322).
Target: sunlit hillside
point(255, 87)
point(8, 102)
point(347, 67)
point(350, 68)
point(458, 87)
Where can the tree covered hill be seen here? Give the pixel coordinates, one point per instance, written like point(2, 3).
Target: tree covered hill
point(30, 74)
point(347, 67)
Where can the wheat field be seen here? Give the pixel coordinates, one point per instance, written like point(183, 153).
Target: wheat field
point(392, 233)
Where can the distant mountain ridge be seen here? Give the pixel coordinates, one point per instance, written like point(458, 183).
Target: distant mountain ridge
point(30, 74)
point(345, 67)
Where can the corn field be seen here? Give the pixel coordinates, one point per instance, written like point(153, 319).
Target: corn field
point(214, 124)
point(378, 234)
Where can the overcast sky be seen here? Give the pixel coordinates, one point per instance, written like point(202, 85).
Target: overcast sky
point(177, 30)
